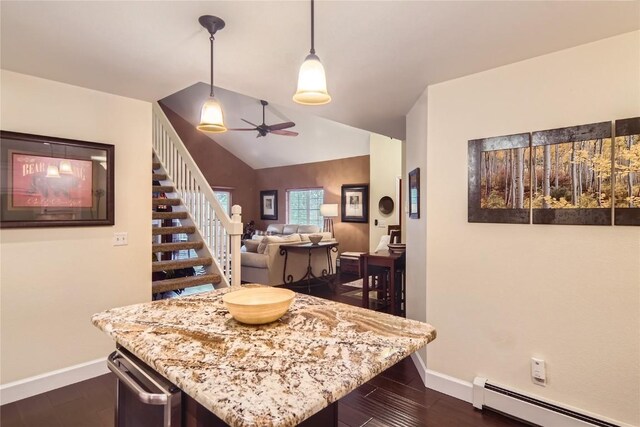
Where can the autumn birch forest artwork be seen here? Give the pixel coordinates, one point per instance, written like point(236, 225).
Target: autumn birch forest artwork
point(567, 175)
point(572, 175)
point(505, 179)
point(627, 171)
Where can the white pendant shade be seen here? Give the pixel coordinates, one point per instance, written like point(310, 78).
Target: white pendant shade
point(65, 167)
point(211, 117)
point(52, 171)
point(312, 83)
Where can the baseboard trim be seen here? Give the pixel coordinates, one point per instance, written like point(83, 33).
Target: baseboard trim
point(420, 366)
point(21, 389)
point(463, 390)
point(450, 386)
point(446, 384)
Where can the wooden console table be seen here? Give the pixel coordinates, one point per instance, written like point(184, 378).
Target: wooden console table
point(309, 248)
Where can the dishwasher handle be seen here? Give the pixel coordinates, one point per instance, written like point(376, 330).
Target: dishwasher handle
point(143, 395)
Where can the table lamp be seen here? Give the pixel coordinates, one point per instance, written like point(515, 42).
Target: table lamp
point(329, 211)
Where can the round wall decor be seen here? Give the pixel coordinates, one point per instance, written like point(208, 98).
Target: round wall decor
point(385, 205)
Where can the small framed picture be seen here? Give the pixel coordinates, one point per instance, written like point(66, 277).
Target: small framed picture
point(414, 193)
point(355, 203)
point(269, 204)
point(55, 182)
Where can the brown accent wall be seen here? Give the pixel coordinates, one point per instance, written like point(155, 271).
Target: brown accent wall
point(220, 167)
point(330, 175)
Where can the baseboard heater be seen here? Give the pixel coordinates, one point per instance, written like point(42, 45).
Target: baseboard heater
point(527, 408)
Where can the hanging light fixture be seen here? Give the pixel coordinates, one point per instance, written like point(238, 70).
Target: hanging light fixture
point(312, 82)
point(211, 117)
point(53, 172)
point(65, 165)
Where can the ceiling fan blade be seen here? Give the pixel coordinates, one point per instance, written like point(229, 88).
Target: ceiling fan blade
point(253, 129)
point(247, 121)
point(284, 125)
point(284, 132)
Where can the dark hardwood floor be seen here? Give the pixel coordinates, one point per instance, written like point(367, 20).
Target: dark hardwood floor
point(395, 398)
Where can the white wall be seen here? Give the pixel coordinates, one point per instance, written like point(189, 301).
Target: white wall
point(501, 293)
point(416, 228)
point(385, 156)
point(54, 279)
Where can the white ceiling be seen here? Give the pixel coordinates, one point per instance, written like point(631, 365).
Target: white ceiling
point(379, 55)
point(319, 139)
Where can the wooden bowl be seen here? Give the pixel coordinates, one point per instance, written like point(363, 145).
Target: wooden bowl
point(315, 238)
point(257, 306)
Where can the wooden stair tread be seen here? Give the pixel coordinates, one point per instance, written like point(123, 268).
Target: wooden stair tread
point(159, 177)
point(175, 246)
point(186, 229)
point(166, 202)
point(156, 165)
point(170, 215)
point(184, 282)
point(163, 189)
point(174, 264)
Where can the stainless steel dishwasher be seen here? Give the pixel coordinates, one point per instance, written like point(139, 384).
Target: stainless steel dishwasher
point(143, 398)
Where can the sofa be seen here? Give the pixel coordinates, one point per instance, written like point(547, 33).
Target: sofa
point(261, 261)
point(289, 229)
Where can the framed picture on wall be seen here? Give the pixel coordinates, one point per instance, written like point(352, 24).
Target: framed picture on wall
point(355, 203)
point(55, 182)
point(499, 179)
point(414, 193)
point(269, 204)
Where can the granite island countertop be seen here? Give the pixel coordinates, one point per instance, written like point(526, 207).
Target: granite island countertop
point(277, 374)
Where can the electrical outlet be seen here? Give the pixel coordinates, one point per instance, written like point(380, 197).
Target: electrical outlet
point(538, 371)
point(120, 239)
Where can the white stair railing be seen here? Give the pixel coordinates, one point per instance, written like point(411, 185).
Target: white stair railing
point(221, 233)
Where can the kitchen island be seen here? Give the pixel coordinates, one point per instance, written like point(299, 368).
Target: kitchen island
point(278, 374)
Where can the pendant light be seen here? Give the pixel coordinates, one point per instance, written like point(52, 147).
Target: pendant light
point(312, 82)
point(65, 165)
point(211, 117)
point(52, 170)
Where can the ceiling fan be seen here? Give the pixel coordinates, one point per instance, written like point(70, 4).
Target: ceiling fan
point(264, 129)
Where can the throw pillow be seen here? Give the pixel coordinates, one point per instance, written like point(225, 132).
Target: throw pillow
point(252, 245)
point(262, 246)
point(384, 241)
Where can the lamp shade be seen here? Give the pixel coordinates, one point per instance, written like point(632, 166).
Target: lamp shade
point(329, 210)
point(52, 171)
point(65, 167)
point(312, 83)
point(211, 117)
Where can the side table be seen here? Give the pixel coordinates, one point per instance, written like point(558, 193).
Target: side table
point(309, 248)
point(391, 261)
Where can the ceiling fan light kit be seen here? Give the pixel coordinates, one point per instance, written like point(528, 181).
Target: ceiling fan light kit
point(312, 81)
point(211, 116)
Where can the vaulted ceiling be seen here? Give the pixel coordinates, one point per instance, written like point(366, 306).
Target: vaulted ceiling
point(379, 55)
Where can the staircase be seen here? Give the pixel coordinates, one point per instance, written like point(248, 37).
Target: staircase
point(195, 241)
point(179, 259)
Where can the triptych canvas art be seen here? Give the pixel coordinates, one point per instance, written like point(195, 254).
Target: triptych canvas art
point(588, 174)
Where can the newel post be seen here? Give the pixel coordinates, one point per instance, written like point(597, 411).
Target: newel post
point(236, 241)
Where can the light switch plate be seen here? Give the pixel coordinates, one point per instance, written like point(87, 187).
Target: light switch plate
point(120, 239)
